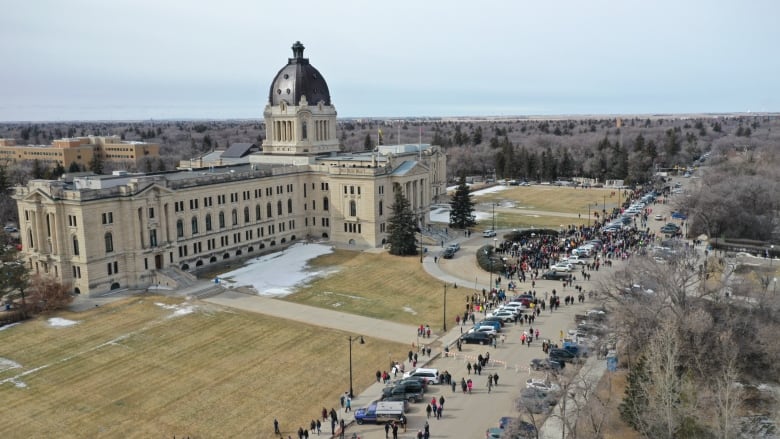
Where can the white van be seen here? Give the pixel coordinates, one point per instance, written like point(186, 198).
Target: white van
point(431, 376)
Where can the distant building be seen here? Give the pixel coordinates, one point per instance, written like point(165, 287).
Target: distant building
point(101, 233)
point(79, 150)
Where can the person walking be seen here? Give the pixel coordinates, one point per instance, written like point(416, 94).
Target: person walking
point(463, 385)
point(319, 427)
point(468, 367)
point(276, 427)
point(490, 383)
point(428, 410)
point(469, 384)
point(495, 379)
point(387, 430)
point(395, 430)
point(348, 403)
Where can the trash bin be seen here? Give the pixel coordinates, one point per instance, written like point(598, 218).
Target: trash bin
point(612, 362)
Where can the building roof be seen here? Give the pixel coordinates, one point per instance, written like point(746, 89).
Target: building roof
point(298, 78)
point(238, 150)
point(404, 167)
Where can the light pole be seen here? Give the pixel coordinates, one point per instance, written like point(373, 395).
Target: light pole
point(419, 224)
point(490, 259)
point(444, 325)
point(494, 216)
point(351, 339)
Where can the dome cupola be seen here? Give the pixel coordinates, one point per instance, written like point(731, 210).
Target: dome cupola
point(297, 79)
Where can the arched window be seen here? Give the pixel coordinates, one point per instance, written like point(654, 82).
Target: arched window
point(289, 205)
point(179, 228)
point(380, 207)
point(268, 210)
point(75, 246)
point(246, 214)
point(222, 220)
point(352, 208)
point(325, 203)
point(194, 225)
point(234, 217)
point(279, 207)
point(208, 222)
point(109, 239)
point(257, 212)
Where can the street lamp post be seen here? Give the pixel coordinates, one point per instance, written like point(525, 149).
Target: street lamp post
point(351, 339)
point(494, 215)
point(419, 224)
point(444, 325)
point(490, 259)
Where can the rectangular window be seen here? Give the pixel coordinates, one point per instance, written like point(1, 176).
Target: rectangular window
point(146, 263)
point(116, 267)
point(153, 237)
point(151, 212)
point(108, 218)
point(110, 269)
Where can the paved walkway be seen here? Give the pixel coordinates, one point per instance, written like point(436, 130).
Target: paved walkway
point(366, 326)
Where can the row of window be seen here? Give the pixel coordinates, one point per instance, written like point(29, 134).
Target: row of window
point(224, 241)
point(194, 222)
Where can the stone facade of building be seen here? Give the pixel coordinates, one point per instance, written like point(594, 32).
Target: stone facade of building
point(102, 233)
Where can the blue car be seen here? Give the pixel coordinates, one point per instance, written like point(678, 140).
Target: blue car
point(679, 215)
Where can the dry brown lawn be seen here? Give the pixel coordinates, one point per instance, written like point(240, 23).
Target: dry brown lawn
point(382, 286)
point(555, 198)
point(132, 370)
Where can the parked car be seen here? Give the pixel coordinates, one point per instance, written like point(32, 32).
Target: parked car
point(476, 338)
point(659, 217)
point(431, 376)
point(540, 384)
point(494, 321)
point(562, 266)
point(10, 229)
point(506, 316)
point(556, 275)
point(546, 364)
point(576, 260)
point(407, 391)
point(486, 329)
point(679, 215)
point(489, 233)
point(563, 356)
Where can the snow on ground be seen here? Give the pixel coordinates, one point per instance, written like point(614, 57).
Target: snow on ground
point(3, 328)
point(178, 310)
point(60, 322)
point(490, 190)
point(6, 364)
point(442, 215)
point(276, 274)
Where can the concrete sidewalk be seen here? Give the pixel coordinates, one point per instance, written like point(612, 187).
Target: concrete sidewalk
point(310, 315)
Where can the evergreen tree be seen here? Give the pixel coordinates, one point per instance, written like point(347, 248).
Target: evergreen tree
point(13, 275)
point(74, 167)
point(462, 206)
point(3, 180)
point(37, 171)
point(368, 144)
point(96, 164)
point(635, 401)
point(402, 226)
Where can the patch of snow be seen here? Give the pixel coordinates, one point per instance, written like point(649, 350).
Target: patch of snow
point(276, 274)
point(19, 384)
point(6, 364)
point(410, 311)
point(441, 215)
point(483, 215)
point(3, 328)
point(60, 322)
point(166, 306)
point(183, 311)
point(490, 190)
point(178, 310)
point(159, 288)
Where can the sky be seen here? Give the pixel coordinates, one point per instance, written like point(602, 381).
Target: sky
point(176, 59)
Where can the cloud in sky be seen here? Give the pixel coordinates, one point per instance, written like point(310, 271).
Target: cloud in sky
point(90, 59)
